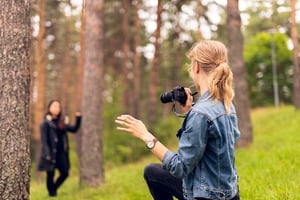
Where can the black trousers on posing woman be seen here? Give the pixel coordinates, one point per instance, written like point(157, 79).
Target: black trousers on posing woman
point(62, 164)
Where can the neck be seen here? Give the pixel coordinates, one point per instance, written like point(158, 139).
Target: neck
point(54, 116)
point(202, 85)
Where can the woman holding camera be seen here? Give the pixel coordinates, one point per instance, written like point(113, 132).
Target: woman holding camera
point(55, 146)
point(203, 167)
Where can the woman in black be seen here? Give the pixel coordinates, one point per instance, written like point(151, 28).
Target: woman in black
point(55, 146)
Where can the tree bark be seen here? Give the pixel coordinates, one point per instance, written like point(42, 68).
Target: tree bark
point(235, 47)
point(294, 35)
point(127, 99)
point(79, 84)
point(153, 99)
point(136, 62)
point(91, 153)
point(14, 98)
point(67, 63)
point(40, 83)
point(81, 58)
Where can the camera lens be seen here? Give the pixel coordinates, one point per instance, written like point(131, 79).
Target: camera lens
point(166, 97)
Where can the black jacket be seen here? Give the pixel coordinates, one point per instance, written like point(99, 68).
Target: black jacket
point(49, 139)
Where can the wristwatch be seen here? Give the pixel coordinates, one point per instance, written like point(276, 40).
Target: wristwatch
point(150, 144)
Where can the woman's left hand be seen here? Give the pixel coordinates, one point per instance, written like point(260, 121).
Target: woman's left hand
point(133, 126)
point(189, 101)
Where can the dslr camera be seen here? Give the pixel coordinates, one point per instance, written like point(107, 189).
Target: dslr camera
point(177, 94)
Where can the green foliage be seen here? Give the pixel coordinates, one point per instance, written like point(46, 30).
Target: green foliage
point(266, 15)
point(120, 148)
point(258, 59)
point(268, 169)
point(167, 128)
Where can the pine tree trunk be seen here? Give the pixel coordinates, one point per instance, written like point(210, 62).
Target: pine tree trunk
point(14, 98)
point(32, 101)
point(67, 63)
point(136, 63)
point(153, 99)
point(235, 47)
point(55, 83)
point(79, 84)
point(126, 62)
point(40, 81)
point(81, 58)
point(294, 33)
point(91, 148)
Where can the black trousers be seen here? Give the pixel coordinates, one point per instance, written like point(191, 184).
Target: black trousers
point(164, 186)
point(62, 164)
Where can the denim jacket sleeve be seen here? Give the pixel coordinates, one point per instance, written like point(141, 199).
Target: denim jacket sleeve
point(192, 143)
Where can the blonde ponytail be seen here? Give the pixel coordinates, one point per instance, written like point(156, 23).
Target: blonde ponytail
point(212, 57)
point(221, 85)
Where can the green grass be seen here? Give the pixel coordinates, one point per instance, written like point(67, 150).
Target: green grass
point(268, 169)
point(124, 183)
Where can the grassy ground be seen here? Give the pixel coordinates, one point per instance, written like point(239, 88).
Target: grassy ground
point(268, 169)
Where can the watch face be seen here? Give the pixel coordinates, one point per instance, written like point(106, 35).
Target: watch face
point(150, 144)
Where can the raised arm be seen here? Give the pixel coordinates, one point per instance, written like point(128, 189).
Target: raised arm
point(74, 128)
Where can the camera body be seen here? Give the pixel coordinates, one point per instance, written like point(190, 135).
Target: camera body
point(177, 94)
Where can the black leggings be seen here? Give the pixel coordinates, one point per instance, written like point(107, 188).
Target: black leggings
point(53, 185)
point(62, 165)
point(164, 186)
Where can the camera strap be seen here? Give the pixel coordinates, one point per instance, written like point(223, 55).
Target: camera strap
point(175, 111)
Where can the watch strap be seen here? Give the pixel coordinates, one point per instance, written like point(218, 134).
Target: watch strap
point(153, 141)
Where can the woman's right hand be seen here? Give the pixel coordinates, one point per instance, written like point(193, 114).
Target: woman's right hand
point(133, 126)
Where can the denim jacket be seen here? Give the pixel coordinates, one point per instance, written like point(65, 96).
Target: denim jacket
point(205, 157)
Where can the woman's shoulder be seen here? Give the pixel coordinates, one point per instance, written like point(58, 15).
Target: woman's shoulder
point(44, 123)
point(209, 108)
point(47, 121)
point(198, 113)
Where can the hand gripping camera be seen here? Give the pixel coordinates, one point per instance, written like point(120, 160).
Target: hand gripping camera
point(177, 94)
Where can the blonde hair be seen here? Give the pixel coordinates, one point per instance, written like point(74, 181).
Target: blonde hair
point(212, 58)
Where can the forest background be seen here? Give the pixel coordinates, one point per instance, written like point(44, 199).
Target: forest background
point(105, 58)
point(143, 48)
